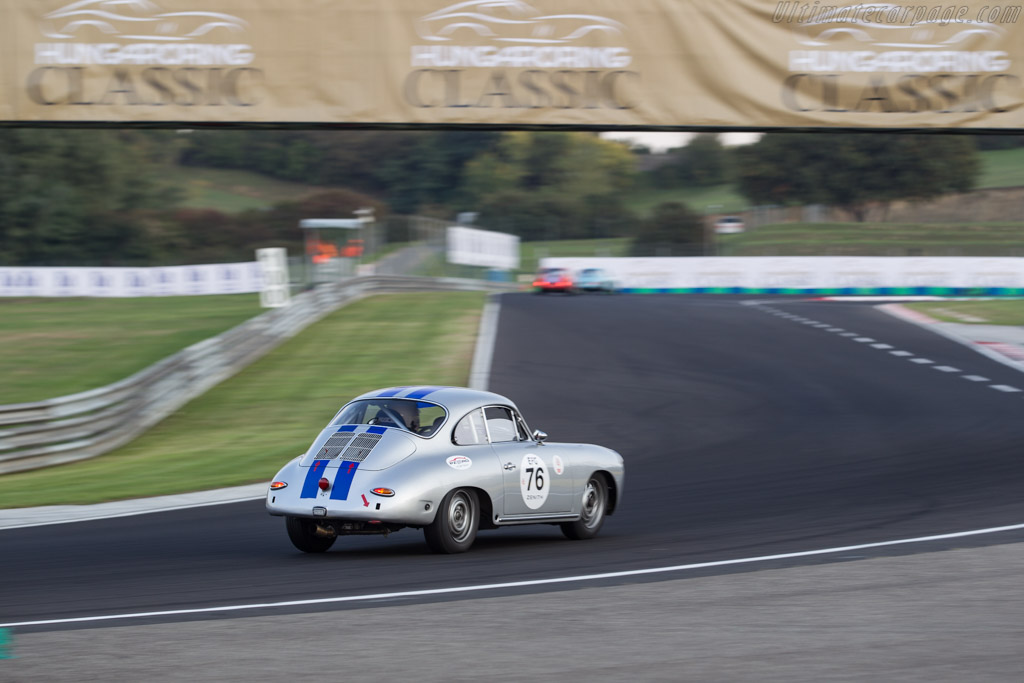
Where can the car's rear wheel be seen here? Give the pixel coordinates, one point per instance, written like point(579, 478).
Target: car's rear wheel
point(592, 513)
point(302, 533)
point(454, 527)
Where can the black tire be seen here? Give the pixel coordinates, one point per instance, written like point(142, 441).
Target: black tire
point(302, 533)
point(592, 514)
point(454, 527)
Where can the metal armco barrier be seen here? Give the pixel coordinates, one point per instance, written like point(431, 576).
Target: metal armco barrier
point(94, 422)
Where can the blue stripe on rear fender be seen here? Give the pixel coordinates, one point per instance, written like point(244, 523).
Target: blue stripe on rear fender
point(343, 482)
point(313, 475)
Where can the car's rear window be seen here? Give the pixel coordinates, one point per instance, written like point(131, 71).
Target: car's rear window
point(419, 417)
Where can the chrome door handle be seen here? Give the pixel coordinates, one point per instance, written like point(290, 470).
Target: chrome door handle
point(509, 466)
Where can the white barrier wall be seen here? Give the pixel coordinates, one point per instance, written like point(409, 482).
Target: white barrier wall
point(473, 247)
point(810, 274)
point(220, 278)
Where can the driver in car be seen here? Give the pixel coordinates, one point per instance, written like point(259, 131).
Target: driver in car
point(406, 410)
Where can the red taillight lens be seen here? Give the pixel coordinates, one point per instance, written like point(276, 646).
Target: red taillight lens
point(324, 484)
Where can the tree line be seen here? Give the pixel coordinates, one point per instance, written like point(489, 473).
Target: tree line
point(70, 197)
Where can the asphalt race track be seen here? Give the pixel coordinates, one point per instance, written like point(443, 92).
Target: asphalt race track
point(745, 433)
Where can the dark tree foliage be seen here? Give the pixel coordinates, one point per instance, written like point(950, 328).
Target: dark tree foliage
point(73, 197)
point(702, 162)
point(854, 171)
point(672, 230)
point(987, 142)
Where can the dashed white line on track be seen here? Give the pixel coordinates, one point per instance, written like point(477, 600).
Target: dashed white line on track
point(901, 353)
point(1006, 388)
point(921, 361)
point(976, 378)
point(946, 368)
point(881, 346)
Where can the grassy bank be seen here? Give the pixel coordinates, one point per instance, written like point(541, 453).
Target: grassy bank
point(1009, 312)
point(53, 347)
point(877, 239)
point(246, 428)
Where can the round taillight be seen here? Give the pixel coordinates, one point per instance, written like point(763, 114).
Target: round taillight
point(324, 484)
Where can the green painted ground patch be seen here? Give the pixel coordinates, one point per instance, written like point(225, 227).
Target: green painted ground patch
point(54, 347)
point(980, 312)
point(245, 429)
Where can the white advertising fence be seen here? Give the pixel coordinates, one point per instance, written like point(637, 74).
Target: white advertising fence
point(475, 247)
point(820, 275)
point(219, 278)
point(94, 422)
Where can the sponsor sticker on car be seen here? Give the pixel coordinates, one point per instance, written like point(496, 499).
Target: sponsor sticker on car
point(459, 462)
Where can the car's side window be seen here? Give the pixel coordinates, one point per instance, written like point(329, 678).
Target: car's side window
point(470, 430)
point(501, 424)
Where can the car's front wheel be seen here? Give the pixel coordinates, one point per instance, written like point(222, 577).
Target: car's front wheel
point(302, 533)
point(592, 513)
point(454, 527)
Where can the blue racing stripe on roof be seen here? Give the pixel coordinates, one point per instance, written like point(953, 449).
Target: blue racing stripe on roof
point(376, 430)
point(422, 392)
point(347, 428)
point(394, 391)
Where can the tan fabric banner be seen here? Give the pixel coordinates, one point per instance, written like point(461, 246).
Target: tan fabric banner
point(596, 63)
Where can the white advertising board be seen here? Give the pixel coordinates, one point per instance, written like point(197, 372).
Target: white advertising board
point(473, 247)
point(275, 292)
point(809, 274)
point(219, 278)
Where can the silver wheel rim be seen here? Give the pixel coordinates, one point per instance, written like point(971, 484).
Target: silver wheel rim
point(460, 517)
point(593, 505)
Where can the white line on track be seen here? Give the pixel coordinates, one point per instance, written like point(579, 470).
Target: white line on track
point(835, 329)
point(946, 368)
point(454, 590)
point(881, 346)
point(921, 361)
point(901, 353)
point(1003, 387)
point(863, 340)
point(976, 378)
point(848, 334)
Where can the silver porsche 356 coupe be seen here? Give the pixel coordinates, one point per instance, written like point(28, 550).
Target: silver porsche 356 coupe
point(447, 460)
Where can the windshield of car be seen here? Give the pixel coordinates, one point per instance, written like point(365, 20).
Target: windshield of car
point(419, 417)
point(588, 272)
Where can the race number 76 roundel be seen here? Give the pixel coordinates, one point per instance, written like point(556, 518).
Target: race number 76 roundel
point(533, 481)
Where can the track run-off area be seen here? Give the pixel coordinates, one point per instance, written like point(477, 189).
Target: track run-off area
point(768, 435)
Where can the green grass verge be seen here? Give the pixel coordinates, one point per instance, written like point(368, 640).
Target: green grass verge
point(231, 191)
point(715, 199)
point(877, 239)
point(243, 430)
point(53, 347)
point(1010, 312)
point(1001, 168)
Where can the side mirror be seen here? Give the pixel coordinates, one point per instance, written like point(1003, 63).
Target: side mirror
point(539, 436)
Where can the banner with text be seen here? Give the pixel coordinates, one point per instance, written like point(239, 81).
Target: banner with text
point(593, 63)
point(220, 278)
point(820, 275)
